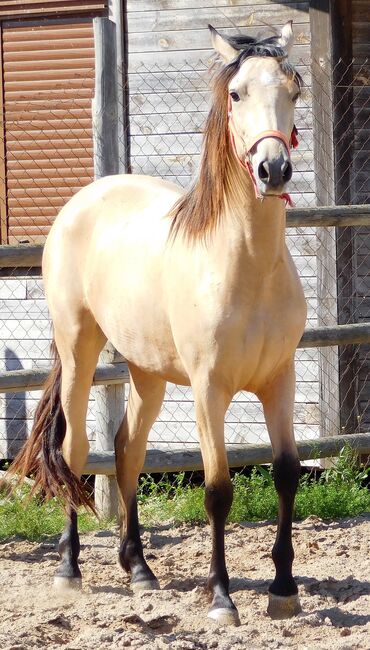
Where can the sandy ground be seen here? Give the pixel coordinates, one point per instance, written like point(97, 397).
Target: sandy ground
point(332, 567)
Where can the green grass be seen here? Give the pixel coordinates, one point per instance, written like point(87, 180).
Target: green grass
point(32, 519)
point(339, 492)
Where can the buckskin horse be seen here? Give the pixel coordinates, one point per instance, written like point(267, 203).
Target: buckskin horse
point(196, 288)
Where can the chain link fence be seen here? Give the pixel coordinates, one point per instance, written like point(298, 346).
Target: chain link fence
point(48, 156)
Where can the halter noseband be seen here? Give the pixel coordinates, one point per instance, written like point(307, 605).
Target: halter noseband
point(246, 163)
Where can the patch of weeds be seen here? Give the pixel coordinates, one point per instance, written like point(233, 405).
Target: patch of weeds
point(34, 518)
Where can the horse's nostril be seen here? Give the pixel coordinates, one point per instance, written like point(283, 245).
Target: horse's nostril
point(287, 171)
point(263, 171)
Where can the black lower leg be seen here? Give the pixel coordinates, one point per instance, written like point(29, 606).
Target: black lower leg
point(286, 476)
point(218, 503)
point(131, 554)
point(69, 548)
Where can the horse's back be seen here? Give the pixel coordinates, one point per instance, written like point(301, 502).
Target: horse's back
point(105, 255)
point(109, 213)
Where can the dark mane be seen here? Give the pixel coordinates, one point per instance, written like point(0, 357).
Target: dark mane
point(198, 211)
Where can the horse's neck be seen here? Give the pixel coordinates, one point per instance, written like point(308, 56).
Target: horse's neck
point(256, 227)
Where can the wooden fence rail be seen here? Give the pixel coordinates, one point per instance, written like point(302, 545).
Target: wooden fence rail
point(239, 455)
point(29, 255)
point(18, 381)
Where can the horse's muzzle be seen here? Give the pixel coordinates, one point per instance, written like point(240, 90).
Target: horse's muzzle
point(274, 174)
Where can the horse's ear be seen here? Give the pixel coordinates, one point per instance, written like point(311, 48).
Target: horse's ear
point(287, 37)
point(222, 46)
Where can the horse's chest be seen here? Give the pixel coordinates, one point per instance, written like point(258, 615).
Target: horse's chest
point(269, 336)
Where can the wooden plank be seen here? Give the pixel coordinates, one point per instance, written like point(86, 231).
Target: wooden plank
point(30, 255)
point(338, 215)
point(15, 381)
point(343, 136)
point(242, 16)
point(195, 39)
point(324, 171)
point(156, 82)
point(239, 455)
point(21, 380)
point(193, 59)
point(105, 110)
point(134, 6)
point(109, 411)
point(335, 335)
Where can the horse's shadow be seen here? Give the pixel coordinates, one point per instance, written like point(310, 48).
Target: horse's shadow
point(346, 590)
point(340, 618)
point(107, 589)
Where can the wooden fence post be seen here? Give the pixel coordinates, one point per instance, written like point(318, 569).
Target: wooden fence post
point(109, 400)
point(322, 106)
point(109, 410)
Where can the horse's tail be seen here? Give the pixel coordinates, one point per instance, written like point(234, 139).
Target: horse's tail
point(41, 456)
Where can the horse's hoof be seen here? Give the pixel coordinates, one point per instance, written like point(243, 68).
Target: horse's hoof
point(281, 607)
point(224, 616)
point(67, 584)
point(145, 585)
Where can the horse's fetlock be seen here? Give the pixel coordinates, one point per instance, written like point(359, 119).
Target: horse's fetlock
point(218, 579)
point(283, 552)
point(130, 553)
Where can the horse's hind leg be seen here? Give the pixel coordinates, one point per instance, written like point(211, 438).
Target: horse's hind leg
point(79, 347)
point(278, 403)
point(144, 402)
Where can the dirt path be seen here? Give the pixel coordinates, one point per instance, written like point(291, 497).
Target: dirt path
point(332, 566)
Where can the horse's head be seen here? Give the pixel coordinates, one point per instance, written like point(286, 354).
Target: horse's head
point(262, 90)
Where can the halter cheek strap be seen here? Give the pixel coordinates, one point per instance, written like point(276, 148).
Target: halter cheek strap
point(246, 163)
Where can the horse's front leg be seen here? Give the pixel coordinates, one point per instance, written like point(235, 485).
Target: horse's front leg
point(210, 405)
point(144, 402)
point(278, 404)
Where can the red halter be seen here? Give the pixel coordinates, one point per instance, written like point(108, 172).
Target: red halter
point(246, 163)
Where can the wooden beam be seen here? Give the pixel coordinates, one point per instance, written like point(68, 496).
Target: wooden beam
point(105, 117)
point(14, 381)
point(322, 108)
point(343, 138)
point(29, 255)
point(190, 460)
point(336, 215)
point(118, 14)
point(109, 399)
point(21, 256)
point(18, 381)
point(321, 337)
point(109, 409)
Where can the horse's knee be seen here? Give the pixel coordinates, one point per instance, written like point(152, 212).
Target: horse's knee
point(287, 470)
point(218, 499)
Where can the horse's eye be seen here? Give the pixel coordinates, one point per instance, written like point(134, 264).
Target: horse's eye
point(234, 96)
point(294, 99)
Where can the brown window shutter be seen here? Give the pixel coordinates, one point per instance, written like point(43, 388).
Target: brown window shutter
point(36, 8)
point(48, 88)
